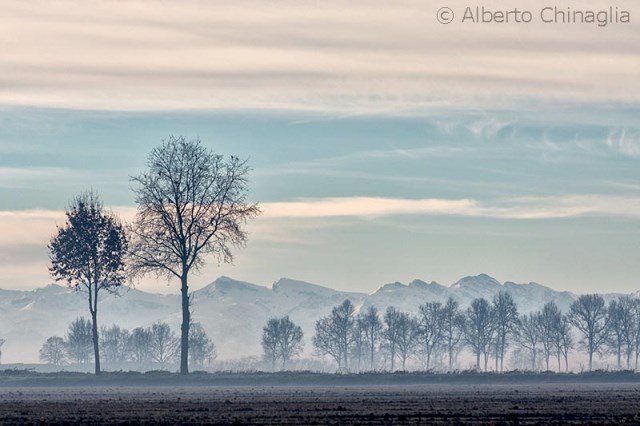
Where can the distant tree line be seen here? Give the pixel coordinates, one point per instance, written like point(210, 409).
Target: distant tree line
point(432, 338)
point(154, 347)
point(435, 336)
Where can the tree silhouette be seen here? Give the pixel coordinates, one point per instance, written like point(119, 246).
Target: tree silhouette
point(191, 203)
point(88, 253)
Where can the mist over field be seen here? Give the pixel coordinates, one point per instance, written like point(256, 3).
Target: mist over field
point(233, 313)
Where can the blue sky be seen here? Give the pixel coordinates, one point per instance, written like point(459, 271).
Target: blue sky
point(378, 155)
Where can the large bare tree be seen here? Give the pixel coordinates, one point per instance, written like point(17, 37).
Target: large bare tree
point(505, 316)
point(192, 203)
point(88, 253)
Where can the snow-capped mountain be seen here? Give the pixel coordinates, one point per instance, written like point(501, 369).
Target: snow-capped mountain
point(234, 312)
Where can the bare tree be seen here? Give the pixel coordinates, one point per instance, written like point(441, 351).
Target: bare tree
point(325, 341)
point(636, 334)
point(564, 340)
point(589, 315)
point(334, 334)
point(622, 325)
point(505, 318)
point(281, 340)
point(452, 330)
point(406, 337)
point(191, 204)
point(479, 328)
point(202, 350)
point(79, 340)
point(430, 328)
point(291, 343)
point(140, 345)
point(271, 341)
point(372, 328)
point(164, 344)
point(549, 320)
point(391, 319)
point(53, 351)
point(528, 335)
point(88, 253)
point(114, 344)
point(359, 346)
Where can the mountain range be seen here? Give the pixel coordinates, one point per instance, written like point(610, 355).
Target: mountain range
point(234, 312)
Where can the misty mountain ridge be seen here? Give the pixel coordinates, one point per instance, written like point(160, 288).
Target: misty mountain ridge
point(234, 312)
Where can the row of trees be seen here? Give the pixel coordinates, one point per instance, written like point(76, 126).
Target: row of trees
point(438, 333)
point(145, 347)
point(192, 205)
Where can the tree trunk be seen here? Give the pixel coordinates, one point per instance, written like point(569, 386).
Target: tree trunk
point(372, 353)
point(184, 338)
point(533, 359)
point(96, 348)
point(93, 309)
point(478, 360)
point(590, 360)
point(450, 358)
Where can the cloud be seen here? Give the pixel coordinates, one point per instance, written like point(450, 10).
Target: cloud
point(364, 56)
point(515, 208)
point(622, 142)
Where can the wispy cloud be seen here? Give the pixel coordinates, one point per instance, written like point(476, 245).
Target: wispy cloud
point(367, 56)
point(515, 208)
point(625, 143)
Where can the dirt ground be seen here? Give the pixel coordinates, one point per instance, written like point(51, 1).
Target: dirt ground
point(395, 404)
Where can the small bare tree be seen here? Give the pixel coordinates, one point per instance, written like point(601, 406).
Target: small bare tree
point(164, 344)
point(334, 334)
point(622, 325)
point(140, 346)
point(114, 344)
point(479, 329)
point(79, 340)
point(53, 351)
point(528, 335)
point(202, 351)
point(589, 315)
point(406, 337)
point(372, 333)
point(564, 340)
point(505, 319)
point(549, 319)
point(430, 328)
point(452, 330)
point(88, 253)
point(391, 318)
point(191, 204)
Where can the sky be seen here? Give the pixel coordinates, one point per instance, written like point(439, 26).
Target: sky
point(385, 146)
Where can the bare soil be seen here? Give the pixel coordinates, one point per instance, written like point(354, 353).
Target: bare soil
point(546, 403)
